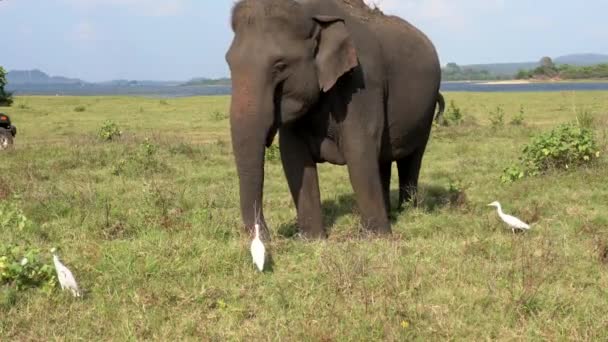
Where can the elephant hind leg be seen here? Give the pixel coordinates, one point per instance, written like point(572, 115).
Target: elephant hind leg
point(385, 176)
point(409, 170)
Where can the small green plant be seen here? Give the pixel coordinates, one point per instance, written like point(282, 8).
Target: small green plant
point(11, 216)
point(24, 268)
point(163, 102)
point(518, 119)
point(109, 131)
point(273, 153)
point(453, 115)
point(23, 106)
point(497, 117)
point(147, 149)
point(512, 174)
point(217, 115)
point(80, 109)
point(140, 160)
point(585, 118)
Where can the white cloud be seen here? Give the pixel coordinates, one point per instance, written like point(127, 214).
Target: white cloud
point(84, 32)
point(450, 14)
point(143, 7)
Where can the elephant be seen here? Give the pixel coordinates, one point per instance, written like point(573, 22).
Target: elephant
point(340, 83)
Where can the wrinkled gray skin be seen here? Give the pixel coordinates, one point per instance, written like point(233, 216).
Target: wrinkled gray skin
point(340, 83)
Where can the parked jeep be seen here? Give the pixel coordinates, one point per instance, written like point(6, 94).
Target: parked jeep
point(7, 132)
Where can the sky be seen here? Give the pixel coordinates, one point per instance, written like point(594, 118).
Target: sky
point(99, 40)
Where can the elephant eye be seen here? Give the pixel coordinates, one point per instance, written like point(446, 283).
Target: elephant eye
point(280, 66)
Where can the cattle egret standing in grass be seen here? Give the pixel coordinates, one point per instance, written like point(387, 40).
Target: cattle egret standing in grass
point(66, 279)
point(512, 221)
point(258, 250)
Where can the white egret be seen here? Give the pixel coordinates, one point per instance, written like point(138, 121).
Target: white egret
point(258, 250)
point(65, 276)
point(512, 221)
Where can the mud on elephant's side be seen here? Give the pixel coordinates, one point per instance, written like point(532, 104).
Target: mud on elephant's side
point(341, 83)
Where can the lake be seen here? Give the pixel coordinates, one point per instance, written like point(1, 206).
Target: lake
point(184, 91)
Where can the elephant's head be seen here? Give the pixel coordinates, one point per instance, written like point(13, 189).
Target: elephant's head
point(281, 59)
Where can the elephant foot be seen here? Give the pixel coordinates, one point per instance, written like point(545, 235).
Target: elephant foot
point(313, 234)
point(264, 232)
point(380, 228)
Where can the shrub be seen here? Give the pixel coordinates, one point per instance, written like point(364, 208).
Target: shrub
point(453, 115)
point(80, 109)
point(566, 146)
point(23, 269)
point(109, 131)
point(497, 117)
point(518, 119)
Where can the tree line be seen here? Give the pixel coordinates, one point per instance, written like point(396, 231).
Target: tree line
point(548, 70)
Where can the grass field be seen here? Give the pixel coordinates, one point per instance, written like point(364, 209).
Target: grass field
point(149, 224)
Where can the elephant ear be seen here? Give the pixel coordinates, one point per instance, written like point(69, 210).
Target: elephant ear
point(336, 54)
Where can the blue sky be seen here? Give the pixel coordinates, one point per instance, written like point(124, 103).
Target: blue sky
point(98, 40)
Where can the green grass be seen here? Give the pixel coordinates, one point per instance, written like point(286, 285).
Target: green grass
point(151, 230)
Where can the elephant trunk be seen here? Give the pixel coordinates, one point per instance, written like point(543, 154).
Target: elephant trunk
point(252, 126)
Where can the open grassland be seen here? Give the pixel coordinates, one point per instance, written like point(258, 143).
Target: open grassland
point(149, 224)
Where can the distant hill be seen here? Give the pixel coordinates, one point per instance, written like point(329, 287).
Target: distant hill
point(136, 83)
point(510, 69)
point(582, 59)
point(201, 81)
point(16, 77)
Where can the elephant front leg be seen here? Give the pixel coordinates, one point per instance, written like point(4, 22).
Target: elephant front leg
point(365, 177)
point(301, 173)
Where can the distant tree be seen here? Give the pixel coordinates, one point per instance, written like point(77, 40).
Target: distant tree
point(6, 98)
point(547, 68)
point(523, 75)
point(547, 62)
point(452, 68)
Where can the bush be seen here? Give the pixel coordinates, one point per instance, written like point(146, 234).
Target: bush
point(453, 115)
point(565, 147)
point(80, 109)
point(23, 269)
point(109, 131)
point(497, 117)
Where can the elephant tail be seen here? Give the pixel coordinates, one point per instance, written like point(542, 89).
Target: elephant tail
point(441, 107)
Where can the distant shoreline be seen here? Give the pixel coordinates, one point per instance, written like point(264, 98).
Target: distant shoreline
point(516, 82)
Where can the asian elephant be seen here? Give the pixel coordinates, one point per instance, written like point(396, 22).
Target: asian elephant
point(340, 82)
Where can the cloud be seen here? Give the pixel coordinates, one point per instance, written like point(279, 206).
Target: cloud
point(158, 8)
point(84, 32)
point(450, 14)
